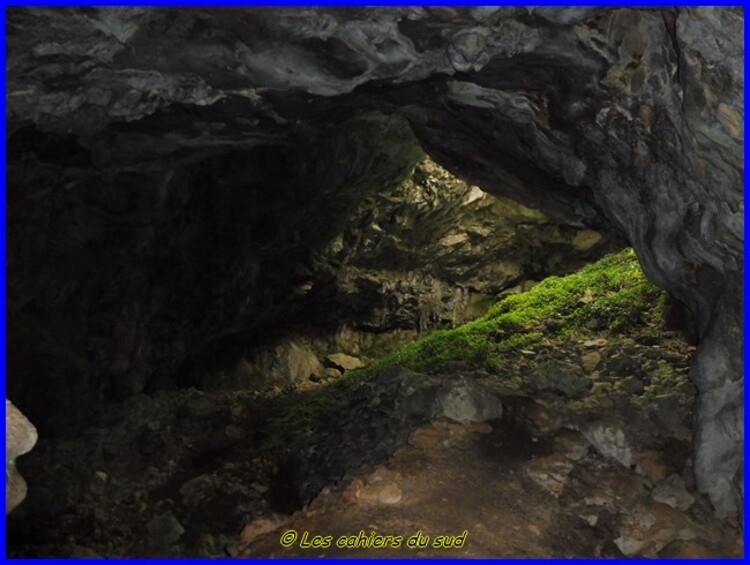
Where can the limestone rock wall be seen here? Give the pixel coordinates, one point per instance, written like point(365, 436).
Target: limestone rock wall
point(435, 251)
point(132, 288)
point(624, 117)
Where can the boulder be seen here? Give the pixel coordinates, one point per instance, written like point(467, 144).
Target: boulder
point(611, 442)
point(20, 438)
point(344, 362)
point(672, 492)
point(333, 373)
point(165, 530)
point(561, 377)
point(467, 401)
point(590, 361)
point(300, 362)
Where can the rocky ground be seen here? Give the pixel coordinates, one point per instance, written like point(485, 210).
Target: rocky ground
point(559, 424)
point(514, 495)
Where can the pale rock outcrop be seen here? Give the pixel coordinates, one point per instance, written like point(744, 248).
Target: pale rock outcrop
point(20, 438)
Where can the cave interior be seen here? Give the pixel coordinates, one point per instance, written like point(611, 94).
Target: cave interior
point(332, 270)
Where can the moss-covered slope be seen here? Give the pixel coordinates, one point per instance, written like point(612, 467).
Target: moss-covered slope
point(609, 297)
point(606, 299)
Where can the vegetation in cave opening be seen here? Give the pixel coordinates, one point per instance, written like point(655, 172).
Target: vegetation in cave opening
point(604, 299)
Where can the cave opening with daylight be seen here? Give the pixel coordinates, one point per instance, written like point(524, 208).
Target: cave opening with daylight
point(443, 282)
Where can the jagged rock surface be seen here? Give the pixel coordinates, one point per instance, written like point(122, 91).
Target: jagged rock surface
point(435, 252)
point(179, 473)
point(598, 116)
point(432, 252)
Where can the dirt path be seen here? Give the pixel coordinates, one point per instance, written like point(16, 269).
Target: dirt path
point(514, 495)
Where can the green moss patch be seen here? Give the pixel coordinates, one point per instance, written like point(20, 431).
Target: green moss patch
point(605, 299)
point(609, 297)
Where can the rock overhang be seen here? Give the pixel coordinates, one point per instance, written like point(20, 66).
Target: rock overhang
point(621, 117)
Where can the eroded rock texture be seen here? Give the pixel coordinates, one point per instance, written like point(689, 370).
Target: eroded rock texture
point(433, 252)
point(182, 153)
point(20, 437)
